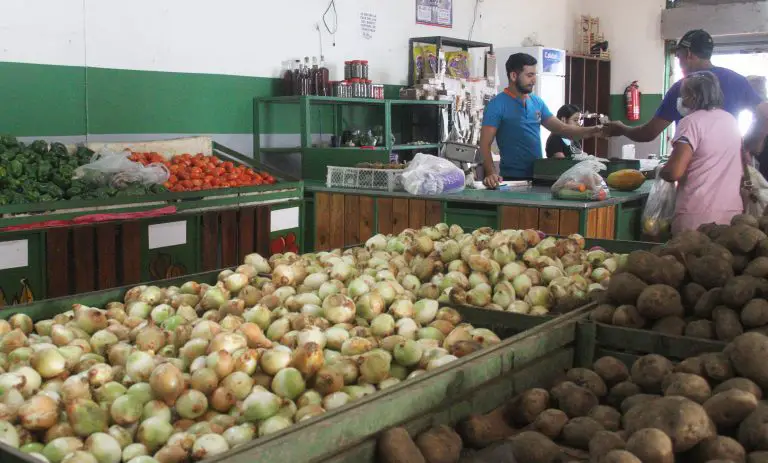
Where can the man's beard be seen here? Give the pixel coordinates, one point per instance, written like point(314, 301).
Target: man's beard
point(522, 90)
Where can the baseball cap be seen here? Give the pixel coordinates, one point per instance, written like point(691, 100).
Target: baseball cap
point(698, 41)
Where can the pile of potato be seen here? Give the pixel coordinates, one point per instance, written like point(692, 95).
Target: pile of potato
point(704, 409)
point(710, 284)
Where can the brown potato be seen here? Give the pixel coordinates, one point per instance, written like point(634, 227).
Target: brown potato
point(628, 317)
point(588, 379)
point(703, 329)
point(687, 385)
point(755, 313)
point(651, 445)
point(691, 293)
point(739, 383)
point(672, 325)
point(620, 456)
point(578, 431)
point(710, 271)
point(603, 442)
point(730, 407)
point(719, 448)
point(727, 324)
point(683, 420)
point(649, 370)
point(480, 431)
point(440, 445)
point(611, 369)
point(758, 457)
point(573, 399)
point(692, 365)
point(717, 367)
point(747, 354)
point(637, 399)
point(528, 405)
point(622, 391)
point(550, 422)
point(625, 288)
point(608, 417)
point(603, 313)
point(534, 447)
point(396, 446)
point(659, 301)
point(707, 303)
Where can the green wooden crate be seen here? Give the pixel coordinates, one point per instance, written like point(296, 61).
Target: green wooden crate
point(22, 277)
point(170, 247)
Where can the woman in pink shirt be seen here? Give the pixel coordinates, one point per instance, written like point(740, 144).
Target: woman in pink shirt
point(706, 159)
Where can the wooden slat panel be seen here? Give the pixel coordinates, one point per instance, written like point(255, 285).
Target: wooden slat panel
point(529, 218)
point(385, 215)
point(417, 211)
point(85, 258)
point(106, 256)
point(434, 212)
point(263, 219)
point(337, 221)
point(592, 231)
point(57, 250)
point(322, 221)
point(569, 222)
point(351, 220)
point(367, 218)
point(130, 236)
point(399, 215)
point(228, 238)
point(549, 221)
point(607, 226)
point(246, 235)
point(209, 241)
point(510, 217)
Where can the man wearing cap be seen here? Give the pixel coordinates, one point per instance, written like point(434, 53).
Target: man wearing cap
point(694, 52)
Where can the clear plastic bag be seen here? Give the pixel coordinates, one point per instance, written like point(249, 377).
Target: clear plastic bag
point(755, 197)
point(582, 182)
point(110, 168)
point(659, 209)
point(431, 175)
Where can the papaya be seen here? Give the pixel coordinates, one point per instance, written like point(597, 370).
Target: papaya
point(625, 180)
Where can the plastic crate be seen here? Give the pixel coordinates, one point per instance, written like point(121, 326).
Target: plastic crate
point(364, 179)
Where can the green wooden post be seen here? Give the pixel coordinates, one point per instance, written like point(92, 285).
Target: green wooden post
point(583, 213)
point(256, 128)
point(388, 124)
point(306, 131)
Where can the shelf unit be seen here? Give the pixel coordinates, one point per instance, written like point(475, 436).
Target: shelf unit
point(588, 85)
point(311, 161)
point(439, 42)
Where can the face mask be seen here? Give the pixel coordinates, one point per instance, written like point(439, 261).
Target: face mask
point(681, 108)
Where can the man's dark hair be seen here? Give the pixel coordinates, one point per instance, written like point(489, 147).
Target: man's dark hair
point(568, 110)
point(516, 62)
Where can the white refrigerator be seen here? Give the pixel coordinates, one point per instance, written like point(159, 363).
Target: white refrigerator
point(550, 82)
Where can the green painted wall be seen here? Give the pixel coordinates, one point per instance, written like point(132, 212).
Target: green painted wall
point(66, 100)
point(649, 103)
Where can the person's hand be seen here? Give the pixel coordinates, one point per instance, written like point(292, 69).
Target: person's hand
point(492, 181)
point(613, 129)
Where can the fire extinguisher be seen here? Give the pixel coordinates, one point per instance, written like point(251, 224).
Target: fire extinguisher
point(632, 101)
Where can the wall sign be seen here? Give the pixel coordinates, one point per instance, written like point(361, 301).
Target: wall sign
point(15, 254)
point(554, 61)
point(367, 24)
point(162, 235)
point(434, 12)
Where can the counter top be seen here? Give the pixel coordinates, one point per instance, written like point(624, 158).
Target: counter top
point(536, 196)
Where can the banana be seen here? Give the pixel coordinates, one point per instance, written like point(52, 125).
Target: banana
point(26, 295)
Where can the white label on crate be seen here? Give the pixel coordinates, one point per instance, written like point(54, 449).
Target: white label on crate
point(14, 254)
point(163, 235)
point(284, 219)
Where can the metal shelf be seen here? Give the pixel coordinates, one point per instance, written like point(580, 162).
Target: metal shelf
point(414, 147)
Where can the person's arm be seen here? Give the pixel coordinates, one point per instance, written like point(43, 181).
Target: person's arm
point(558, 127)
point(683, 146)
point(491, 122)
point(487, 134)
point(754, 142)
point(641, 133)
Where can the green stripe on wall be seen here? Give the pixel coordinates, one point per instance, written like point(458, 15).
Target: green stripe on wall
point(649, 103)
point(51, 100)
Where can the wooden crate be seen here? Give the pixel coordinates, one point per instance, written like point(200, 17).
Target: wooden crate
point(600, 222)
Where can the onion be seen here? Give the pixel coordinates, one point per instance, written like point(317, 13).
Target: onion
point(191, 404)
point(339, 309)
point(460, 333)
point(308, 359)
point(329, 288)
point(239, 435)
point(401, 308)
point(54, 451)
point(48, 362)
point(278, 329)
point(425, 311)
point(374, 368)
point(32, 380)
point(104, 447)
point(519, 307)
point(222, 399)
point(75, 387)
point(308, 412)
point(273, 425)
point(132, 451)
point(156, 408)
point(370, 305)
point(312, 334)
point(110, 391)
point(310, 397)
point(538, 296)
point(348, 369)
point(221, 362)
point(79, 456)
point(440, 361)
point(335, 337)
point(484, 336)
point(38, 413)
point(386, 290)
point(260, 405)
point(143, 391)
point(383, 325)
point(431, 333)
point(336, 400)
point(100, 374)
point(356, 346)
point(522, 284)
point(275, 360)
point(209, 445)
point(538, 310)
point(407, 328)
point(22, 322)
point(288, 383)
point(428, 291)
point(167, 383)
point(260, 315)
point(239, 383)
point(408, 353)
point(139, 365)
point(357, 287)
point(126, 410)
point(229, 342)
point(153, 433)
point(376, 243)
point(86, 417)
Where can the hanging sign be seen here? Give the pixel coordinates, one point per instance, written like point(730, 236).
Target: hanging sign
point(434, 12)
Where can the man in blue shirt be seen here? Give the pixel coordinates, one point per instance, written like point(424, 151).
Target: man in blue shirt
point(514, 118)
point(694, 52)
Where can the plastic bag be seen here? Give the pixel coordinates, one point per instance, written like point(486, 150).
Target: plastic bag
point(110, 168)
point(659, 209)
point(431, 175)
point(582, 182)
point(756, 197)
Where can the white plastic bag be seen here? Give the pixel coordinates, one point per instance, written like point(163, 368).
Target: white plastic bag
point(110, 168)
point(431, 175)
point(660, 208)
point(582, 182)
point(757, 201)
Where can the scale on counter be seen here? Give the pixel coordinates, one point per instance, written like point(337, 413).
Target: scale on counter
point(464, 156)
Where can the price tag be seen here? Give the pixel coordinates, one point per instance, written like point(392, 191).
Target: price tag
point(284, 219)
point(162, 235)
point(15, 254)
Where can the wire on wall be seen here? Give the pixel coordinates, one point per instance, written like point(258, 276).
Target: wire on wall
point(334, 26)
point(474, 20)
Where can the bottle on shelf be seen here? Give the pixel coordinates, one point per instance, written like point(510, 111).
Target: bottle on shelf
point(305, 77)
point(324, 80)
point(288, 79)
point(314, 88)
point(297, 77)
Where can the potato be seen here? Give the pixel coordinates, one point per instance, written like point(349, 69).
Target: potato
point(745, 219)
point(762, 248)
point(710, 271)
point(752, 431)
point(741, 238)
point(672, 272)
point(739, 263)
point(758, 267)
point(762, 223)
point(730, 407)
point(712, 230)
point(611, 369)
point(625, 288)
point(534, 447)
point(599, 296)
point(528, 405)
point(550, 422)
point(573, 399)
point(738, 291)
point(396, 446)
point(602, 443)
point(621, 391)
point(497, 453)
point(683, 420)
point(588, 379)
point(628, 317)
point(719, 448)
point(578, 431)
point(727, 323)
point(687, 385)
point(637, 399)
point(649, 370)
point(758, 457)
point(645, 266)
point(620, 456)
point(672, 325)
point(747, 353)
point(755, 313)
point(717, 366)
point(687, 242)
point(691, 293)
point(739, 383)
point(480, 431)
point(658, 301)
point(651, 445)
point(440, 445)
point(702, 329)
point(603, 313)
point(608, 417)
point(707, 303)
point(692, 365)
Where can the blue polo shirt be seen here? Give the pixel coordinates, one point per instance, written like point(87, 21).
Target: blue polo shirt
point(737, 92)
point(518, 131)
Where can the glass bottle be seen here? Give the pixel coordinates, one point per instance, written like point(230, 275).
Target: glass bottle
point(306, 77)
point(288, 79)
point(314, 78)
point(324, 78)
point(297, 77)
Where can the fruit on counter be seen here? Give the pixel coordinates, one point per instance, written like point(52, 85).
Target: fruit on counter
point(625, 180)
point(580, 191)
point(201, 172)
point(656, 227)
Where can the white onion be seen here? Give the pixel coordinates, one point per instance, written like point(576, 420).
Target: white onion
point(238, 435)
point(335, 400)
point(260, 405)
point(209, 445)
point(48, 362)
point(440, 361)
point(104, 447)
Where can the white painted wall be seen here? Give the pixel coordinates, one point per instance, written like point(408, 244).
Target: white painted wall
point(253, 37)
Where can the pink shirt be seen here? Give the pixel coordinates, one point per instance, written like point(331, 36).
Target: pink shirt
point(709, 190)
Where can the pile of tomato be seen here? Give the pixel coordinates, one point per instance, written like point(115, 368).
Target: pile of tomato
point(201, 172)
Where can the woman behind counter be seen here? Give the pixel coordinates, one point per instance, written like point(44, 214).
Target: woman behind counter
point(706, 157)
point(560, 147)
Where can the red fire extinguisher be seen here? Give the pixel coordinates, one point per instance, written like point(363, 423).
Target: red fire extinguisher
point(632, 101)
